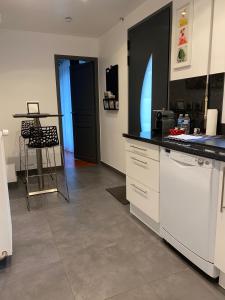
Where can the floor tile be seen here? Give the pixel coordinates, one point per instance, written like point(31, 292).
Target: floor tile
point(144, 292)
point(46, 283)
point(186, 285)
point(158, 261)
point(183, 285)
point(98, 274)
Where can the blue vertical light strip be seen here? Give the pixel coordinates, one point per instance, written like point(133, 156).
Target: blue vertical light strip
point(146, 100)
point(66, 105)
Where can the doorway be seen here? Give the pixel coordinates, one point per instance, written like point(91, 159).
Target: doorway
point(77, 94)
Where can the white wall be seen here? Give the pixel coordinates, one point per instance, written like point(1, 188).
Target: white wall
point(113, 50)
point(113, 124)
point(27, 72)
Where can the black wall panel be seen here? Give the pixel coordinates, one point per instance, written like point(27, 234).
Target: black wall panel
point(187, 96)
point(149, 37)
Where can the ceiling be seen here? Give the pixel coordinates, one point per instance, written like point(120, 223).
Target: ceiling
point(89, 17)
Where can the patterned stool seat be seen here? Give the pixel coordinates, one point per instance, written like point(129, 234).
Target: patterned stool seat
point(42, 137)
point(25, 128)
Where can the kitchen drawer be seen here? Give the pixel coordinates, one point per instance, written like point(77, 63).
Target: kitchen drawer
point(143, 169)
point(144, 149)
point(143, 198)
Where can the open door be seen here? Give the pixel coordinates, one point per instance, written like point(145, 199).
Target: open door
point(82, 78)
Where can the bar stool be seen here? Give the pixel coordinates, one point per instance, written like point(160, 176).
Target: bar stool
point(23, 139)
point(45, 138)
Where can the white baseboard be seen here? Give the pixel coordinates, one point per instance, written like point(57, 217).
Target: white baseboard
point(11, 173)
point(145, 219)
point(222, 280)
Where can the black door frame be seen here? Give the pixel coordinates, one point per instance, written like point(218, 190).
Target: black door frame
point(57, 57)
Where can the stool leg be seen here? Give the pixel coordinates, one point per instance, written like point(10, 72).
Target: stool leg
point(66, 198)
point(49, 162)
point(25, 159)
point(56, 177)
point(20, 153)
point(27, 178)
point(63, 163)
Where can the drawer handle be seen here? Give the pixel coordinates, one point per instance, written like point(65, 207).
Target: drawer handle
point(222, 207)
point(136, 187)
point(138, 148)
point(140, 161)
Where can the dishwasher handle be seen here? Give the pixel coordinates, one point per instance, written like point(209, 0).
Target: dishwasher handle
point(182, 163)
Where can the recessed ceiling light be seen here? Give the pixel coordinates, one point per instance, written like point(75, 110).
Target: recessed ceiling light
point(68, 19)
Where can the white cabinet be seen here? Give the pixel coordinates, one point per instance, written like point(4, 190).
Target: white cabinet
point(142, 176)
point(143, 198)
point(220, 229)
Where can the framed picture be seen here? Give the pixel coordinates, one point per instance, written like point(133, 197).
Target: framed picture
point(106, 104)
point(33, 108)
point(111, 104)
point(183, 36)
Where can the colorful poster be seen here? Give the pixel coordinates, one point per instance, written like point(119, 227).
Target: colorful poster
point(183, 36)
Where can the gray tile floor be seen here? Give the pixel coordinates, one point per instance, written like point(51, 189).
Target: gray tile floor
point(92, 249)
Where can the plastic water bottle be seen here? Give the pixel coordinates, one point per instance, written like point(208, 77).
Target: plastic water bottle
point(180, 121)
point(186, 124)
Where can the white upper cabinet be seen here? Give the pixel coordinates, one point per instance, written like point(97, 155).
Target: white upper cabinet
point(218, 42)
point(200, 39)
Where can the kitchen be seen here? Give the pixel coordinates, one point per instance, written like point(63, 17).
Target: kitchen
point(156, 122)
point(175, 159)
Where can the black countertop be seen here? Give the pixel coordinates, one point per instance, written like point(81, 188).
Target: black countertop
point(210, 147)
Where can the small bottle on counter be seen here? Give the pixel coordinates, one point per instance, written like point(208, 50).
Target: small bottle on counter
point(186, 124)
point(180, 121)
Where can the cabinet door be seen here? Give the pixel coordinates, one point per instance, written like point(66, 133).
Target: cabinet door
point(220, 230)
point(143, 169)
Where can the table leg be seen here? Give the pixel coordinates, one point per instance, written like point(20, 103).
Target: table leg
point(39, 161)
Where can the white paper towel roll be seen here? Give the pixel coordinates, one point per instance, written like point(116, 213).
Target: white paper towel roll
point(211, 125)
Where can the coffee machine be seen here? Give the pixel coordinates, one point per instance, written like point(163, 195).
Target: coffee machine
point(162, 121)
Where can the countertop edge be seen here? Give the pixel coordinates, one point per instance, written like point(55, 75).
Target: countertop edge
point(141, 139)
point(193, 150)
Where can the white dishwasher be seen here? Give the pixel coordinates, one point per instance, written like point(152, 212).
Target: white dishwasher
point(188, 206)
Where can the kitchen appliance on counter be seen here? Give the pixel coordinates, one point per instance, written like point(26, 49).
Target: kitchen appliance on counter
point(188, 206)
point(5, 214)
point(163, 121)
